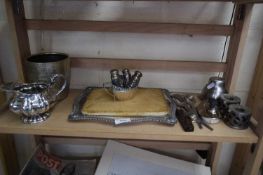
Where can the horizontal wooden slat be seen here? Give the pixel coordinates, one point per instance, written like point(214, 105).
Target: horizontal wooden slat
point(248, 1)
point(158, 145)
point(133, 27)
point(237, 1)
point(168, 65)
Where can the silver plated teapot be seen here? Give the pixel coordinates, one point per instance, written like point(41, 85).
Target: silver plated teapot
point(33, 100)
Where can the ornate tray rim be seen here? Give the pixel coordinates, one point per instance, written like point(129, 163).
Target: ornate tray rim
point(77, 115)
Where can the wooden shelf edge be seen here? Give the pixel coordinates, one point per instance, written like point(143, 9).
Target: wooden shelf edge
point(130, 27)
point(234, 1)
point(167, 65)
point(58, 125)
point(130, 136)
point(137, 143)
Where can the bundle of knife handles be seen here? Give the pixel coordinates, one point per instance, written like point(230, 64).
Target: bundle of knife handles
point(187, 113)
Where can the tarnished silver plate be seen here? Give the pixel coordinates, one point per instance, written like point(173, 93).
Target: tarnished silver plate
point(77, 115)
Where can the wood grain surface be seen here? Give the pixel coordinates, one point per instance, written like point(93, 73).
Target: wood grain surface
point(58, 125)
point(142, 64)
point(130, 27)
point(236, 45)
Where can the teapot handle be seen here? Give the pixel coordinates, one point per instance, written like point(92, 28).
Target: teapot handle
point(53, 81)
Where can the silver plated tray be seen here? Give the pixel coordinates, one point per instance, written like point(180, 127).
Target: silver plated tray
point(77, 115)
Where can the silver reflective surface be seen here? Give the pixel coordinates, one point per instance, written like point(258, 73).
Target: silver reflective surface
point(77, 115)
point(208, 109)
point(214, 88)
point(33, 100)
point(42, 66)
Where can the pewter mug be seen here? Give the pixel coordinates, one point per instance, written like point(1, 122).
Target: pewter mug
point(33, 100)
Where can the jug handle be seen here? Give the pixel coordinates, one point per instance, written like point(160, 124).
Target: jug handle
point(53, 80)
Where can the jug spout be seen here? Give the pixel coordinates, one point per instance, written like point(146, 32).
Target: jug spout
point(16, 105)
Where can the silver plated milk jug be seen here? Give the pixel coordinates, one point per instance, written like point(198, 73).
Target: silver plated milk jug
point(33, 100)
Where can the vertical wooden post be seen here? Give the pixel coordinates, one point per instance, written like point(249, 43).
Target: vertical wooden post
point(244, 159)
point(237, 43)
point(236, 46)
point(9, 153)
point(3, 168)
point(16, 20)
point(213, 157)
point(19, 37)
point(255, 158)
point(239, 159)
point(256, 88)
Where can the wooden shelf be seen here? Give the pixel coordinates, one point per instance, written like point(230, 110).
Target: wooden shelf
point(58, 125)
point(237, 1)
point(166, 65)
point(148, 133)
point(134, 27)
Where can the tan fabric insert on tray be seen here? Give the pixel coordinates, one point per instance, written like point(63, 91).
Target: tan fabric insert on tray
point(147, 102)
